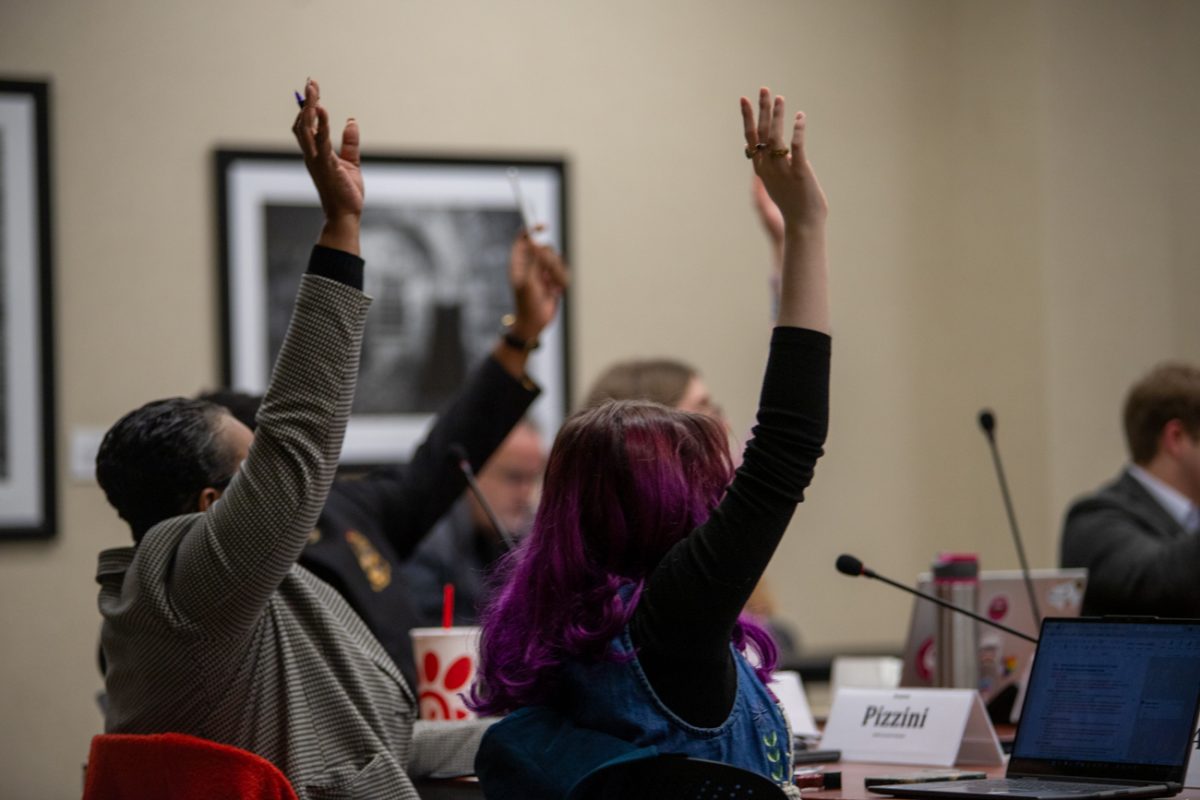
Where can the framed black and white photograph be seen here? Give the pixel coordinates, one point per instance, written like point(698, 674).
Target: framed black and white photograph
point(436, 234)
point(27, 490)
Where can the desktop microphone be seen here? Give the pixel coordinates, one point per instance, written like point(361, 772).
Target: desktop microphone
point(849, 565)
point(459, 454)
point(987, 421)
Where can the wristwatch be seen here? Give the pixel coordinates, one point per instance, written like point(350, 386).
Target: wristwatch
point(512, 340)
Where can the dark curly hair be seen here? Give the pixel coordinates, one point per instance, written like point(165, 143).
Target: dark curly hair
point(155, 461)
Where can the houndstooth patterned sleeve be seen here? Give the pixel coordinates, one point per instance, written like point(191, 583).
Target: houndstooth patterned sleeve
point(446, 749)
point(228, 568)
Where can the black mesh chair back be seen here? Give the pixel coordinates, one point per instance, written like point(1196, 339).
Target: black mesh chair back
point(675, 777)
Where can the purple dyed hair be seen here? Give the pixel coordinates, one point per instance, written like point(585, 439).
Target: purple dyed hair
point(625, 481)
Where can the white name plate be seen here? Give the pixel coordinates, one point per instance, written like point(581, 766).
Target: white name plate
point(934, 727)
point(789, 690)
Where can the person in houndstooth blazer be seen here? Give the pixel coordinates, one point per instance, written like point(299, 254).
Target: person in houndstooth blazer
point(210, 628)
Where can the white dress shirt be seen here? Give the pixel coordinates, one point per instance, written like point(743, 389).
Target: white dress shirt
point(1181, 509)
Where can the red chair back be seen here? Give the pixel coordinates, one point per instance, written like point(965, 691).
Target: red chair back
point(174, 766)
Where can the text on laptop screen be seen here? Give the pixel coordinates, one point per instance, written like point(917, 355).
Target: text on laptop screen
point(1122, 692)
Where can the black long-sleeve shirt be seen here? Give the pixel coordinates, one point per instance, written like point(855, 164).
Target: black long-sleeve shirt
point(687, 611)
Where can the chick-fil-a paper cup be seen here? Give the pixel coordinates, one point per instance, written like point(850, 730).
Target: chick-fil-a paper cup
point(446, 660)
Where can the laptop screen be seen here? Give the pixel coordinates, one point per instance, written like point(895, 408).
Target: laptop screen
point(1111, 698)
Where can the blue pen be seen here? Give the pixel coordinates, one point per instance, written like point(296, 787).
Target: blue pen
point(299, 99)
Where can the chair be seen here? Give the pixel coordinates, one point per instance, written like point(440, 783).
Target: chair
point(174, 766)
point(674, 777)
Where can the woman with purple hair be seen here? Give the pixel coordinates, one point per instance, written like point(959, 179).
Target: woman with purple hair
point(616, 631)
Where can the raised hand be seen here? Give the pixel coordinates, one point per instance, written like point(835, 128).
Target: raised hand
point(793, 188)
point(538, 277)
point(336, 175)
point(784, 171)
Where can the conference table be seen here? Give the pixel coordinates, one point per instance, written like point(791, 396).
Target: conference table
point(853, 775)
point(852, 783)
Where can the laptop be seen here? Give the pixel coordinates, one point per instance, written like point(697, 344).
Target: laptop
point(1003, 658)
point(1109, 712)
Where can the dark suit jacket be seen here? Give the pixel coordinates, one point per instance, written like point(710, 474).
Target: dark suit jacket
point(1139, 559)
point(369, 526)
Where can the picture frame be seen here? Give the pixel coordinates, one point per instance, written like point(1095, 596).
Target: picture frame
point(436, 234)
point(27, 419)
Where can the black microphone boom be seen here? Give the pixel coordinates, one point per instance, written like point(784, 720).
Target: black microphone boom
point(459, 454)
point(987, 421)
point(849, 565)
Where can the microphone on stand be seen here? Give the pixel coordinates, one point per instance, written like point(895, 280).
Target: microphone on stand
point(849, 565)
point(459, 453)
point(987, 421)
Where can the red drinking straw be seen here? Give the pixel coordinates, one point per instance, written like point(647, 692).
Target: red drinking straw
point(448, 605)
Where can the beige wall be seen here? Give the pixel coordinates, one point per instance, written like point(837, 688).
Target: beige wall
point(1015, 189)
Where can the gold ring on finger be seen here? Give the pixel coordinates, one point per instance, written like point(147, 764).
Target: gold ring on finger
point(780, 153)
point(749, 151)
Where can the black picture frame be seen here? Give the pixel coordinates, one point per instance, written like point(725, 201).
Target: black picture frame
point(27, 406)
point(436, 235)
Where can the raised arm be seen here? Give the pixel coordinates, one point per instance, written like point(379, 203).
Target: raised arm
point(538, 278)
point(790, 183)
point(231, 562)
point(408, 500)
point(337, 175)
point(693, 598)
point(720, 563)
